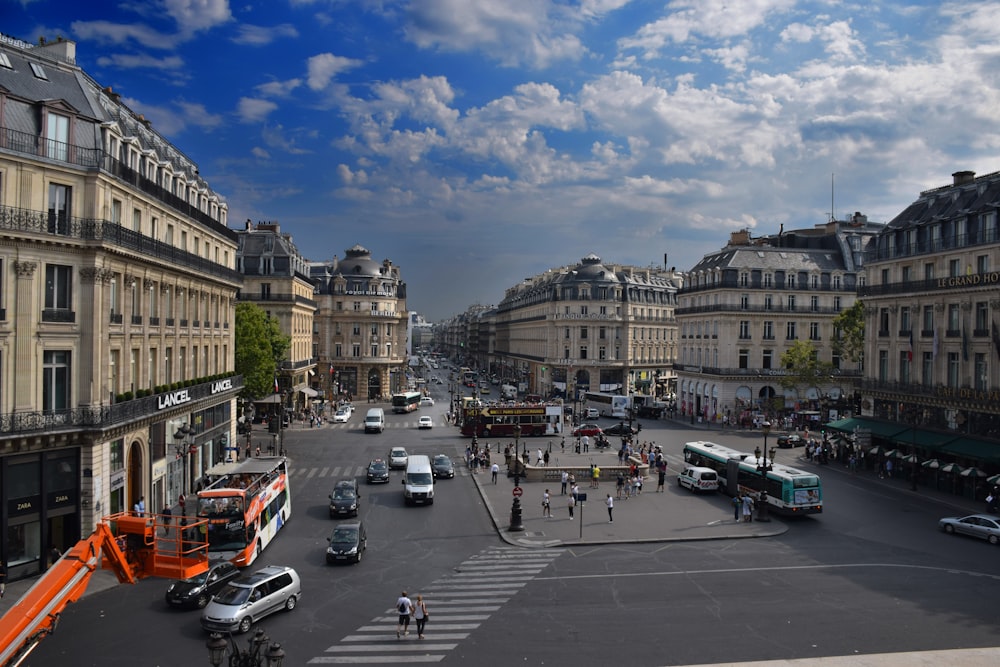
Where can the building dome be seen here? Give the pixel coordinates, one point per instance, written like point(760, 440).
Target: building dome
point(358, 262)
point(590, 269)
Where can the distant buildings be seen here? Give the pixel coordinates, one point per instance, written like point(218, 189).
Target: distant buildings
point(746, 304)
point(117, 287)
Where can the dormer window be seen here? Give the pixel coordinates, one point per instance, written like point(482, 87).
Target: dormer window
point(38, 71)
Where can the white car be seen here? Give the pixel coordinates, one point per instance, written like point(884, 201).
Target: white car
point(426, 400)
point(341, 416)
point(347, 406)
point(398, 458)
point(425, 422)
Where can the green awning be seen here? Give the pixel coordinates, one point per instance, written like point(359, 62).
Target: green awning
point(877, 428)
point(915, 437)
point(980, 450)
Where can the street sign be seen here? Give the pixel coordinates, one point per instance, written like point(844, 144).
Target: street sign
point(518, 492)
point(581, 497)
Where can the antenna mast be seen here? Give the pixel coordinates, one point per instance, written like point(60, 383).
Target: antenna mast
point(832, 215)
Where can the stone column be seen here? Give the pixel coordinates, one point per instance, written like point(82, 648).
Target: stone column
point(26, 316)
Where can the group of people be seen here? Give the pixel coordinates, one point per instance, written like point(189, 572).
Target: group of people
point(477, 457)
point(743, 505)
point(408, 608)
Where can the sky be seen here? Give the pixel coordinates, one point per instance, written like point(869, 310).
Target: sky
point(476, 143)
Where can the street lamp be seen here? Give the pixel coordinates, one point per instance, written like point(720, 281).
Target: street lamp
point(253, 656)
point(517, 439)
point(762, 467)
point(182, 449)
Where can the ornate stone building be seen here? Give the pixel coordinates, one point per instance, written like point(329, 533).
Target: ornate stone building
point(360, 325)
point(117, 287)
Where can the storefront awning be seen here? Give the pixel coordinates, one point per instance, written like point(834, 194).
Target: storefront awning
point(309, 391)
point(273, 398)
point(971, 448)
point(877, 428)
point(916, 437)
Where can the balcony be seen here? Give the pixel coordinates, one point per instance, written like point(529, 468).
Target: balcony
point(170, 322)
point(116, 318)
point(276, 297)
point(58, 315)
point(154, 321)
point(137, 319)
point(757, 372)
point(102, 417)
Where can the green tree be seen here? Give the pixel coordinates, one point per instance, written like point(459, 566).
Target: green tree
point(850, 325)
point(260, 347)
point(804, 369)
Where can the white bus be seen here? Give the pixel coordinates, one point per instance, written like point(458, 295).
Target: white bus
point(789, 490)
point(615, 406)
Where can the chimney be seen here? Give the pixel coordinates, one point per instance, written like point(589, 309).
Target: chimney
point(963, 177)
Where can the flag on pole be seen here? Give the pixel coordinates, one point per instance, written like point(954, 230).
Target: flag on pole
point(909, 353)
point(275, 385)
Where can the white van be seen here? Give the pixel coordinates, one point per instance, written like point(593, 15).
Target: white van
point(698, 479)
point(418, 481)
point(375, 421)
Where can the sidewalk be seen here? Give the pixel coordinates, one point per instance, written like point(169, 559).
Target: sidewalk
point(673, 515)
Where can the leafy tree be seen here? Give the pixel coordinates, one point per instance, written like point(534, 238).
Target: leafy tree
point(850, 344)
point(260, 346)
point(804, 368)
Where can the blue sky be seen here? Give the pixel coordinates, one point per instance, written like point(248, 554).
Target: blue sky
point(478, 142)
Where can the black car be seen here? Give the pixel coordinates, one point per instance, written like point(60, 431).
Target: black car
point(347, 543)
point(442, 467)
point(195, 593)
point(621, 428)
point(344, 499)
point(378, 472)
point(793, 440)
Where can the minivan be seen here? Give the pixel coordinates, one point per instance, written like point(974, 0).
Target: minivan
point(698, 479)
point(374, 421)
point(250, 598)
point(418, 481)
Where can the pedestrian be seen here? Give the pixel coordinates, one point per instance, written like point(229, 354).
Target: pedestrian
point(545, 459)
point(619, 485)
point(140, 507)
point(596, 473)
point(562, 444)
point(166, 518)
point(575, 492)
point(747, 508)
point(258, 450)
point(247, 454)
point(572, 502)
point(539, 459)
point(495, 469)
point(405, 607)
point(54, 554)
point(661, 477)
point(546, 508)
point(420, 615)
point(564, 480)
point(611, 506)
point(737, 507)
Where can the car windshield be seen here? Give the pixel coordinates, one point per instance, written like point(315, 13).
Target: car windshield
point(377, 467)
point(197, 579)
point(344, 536)
point(420, 478)
point(234, 595)
point(398, 453)
point(442, 461)
point(344, 494)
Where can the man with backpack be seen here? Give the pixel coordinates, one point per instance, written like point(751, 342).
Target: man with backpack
point(405, 607)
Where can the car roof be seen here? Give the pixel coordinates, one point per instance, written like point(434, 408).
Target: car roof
point(260, 575)
point(345, 482)
point(398, 449)
point(377, 462)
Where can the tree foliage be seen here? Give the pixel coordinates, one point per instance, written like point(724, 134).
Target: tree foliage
point(260, 347)
point(804, 369)
point(850, 323)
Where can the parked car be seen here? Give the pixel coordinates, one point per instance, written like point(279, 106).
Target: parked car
point(341, 416)
point(397, 458)
point(378, 472)
point(442, 467)
point(198, 590)
point(345, 499)
point(587, 429)
point(425, 422)
point(347, 543)
point(621, 428)
point(249, 598)
point(984, 526)
point(792, 440)
point(591, 413)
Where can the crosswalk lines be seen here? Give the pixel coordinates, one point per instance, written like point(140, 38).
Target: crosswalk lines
point(345, 472)
point(459, 604)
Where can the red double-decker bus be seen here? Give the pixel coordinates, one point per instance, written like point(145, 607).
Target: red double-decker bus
point(498, 420)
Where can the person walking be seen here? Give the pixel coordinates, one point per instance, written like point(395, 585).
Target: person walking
point(167, 514)
point(747, 508)
point(610, 502)
point(572, 502)
point(575, 492)
point(564, 480)
point(546, 507)
point(140, 507)
point(420, 615)
point(495, 470)
point(539, 459)
point(619, 485)
point(405, 607)
point(737, 507)
point(661, 477)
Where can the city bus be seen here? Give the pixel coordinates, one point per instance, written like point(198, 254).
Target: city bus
point(485, 420)
point(407, 401)
point(245, 505)
point(615, 406)
point(789, 490)
point(468, 377)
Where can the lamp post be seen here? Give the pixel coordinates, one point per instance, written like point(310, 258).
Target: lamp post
point(254, 655)
point(182, 449)
point(762, 467)
point(516, 523)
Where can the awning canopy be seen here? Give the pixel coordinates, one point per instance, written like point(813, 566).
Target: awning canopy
point(916, 437)
point(273, 398)
point(879, 428)
point(971, 448)
point(309, 391)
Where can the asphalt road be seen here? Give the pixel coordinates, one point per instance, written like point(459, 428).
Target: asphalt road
point(870, 575)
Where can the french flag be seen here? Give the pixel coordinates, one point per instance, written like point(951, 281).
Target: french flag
point(275, 385)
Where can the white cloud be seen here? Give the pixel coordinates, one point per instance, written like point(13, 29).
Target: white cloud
point(278, 88)
point(106, 32)
point(254, 35)
point(197, 15)
point(140, 61)
point(325, 66)
point(260, 153)
point(251, 110)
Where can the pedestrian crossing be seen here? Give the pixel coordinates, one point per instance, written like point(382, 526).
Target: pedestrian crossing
point(458, 604)
point(354, 471)
point(390, 423)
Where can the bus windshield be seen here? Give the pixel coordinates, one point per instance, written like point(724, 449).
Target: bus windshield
point(807, 482)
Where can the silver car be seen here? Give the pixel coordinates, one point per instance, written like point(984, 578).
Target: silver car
point(247, 599)
point(984, 526)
